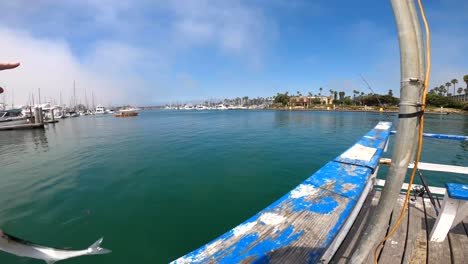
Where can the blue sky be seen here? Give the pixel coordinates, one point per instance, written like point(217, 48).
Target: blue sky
point(149, 52)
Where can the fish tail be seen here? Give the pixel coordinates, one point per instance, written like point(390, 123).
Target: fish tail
point(96, 249)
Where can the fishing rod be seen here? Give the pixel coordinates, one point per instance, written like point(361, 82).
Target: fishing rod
point(376, 97)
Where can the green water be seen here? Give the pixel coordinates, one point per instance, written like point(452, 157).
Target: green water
point(164, 183)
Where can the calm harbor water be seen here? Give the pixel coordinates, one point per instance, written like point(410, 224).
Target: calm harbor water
point(164, 183)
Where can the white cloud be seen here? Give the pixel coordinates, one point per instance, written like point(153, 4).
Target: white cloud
point(124, 51)
point(49, 64)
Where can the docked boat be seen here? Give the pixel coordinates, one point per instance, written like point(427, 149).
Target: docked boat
point(73, 114)
point(100, 110)
point(12, 117)
point(221, 107)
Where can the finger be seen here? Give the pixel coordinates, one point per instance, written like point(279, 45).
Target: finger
point(7, 66)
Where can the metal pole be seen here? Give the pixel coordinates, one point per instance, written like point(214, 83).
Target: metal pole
point(405, 142)
point(420, 44)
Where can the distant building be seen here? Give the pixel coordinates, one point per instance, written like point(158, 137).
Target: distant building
point(459, 98)
point(306, 101)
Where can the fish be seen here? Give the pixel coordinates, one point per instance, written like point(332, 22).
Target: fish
point(23, 248)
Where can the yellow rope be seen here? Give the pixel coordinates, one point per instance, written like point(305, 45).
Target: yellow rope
point(421, 129)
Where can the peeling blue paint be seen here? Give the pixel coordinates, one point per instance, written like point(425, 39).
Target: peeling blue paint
point(324, 205)
point(246, 248)
point(344, 215)
point(343, 177)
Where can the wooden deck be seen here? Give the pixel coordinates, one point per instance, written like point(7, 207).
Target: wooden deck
point(410, 243)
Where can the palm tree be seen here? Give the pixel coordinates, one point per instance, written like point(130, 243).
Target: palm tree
point(454, 82)
point(460, 90)
point(447, 84)
point(465, 79)
point(342, 95)
point(442, 90)
point(321, 89)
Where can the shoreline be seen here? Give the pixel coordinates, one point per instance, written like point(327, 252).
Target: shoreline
point(446, 111)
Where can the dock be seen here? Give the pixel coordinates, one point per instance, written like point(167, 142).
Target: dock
point(21, 127)
point(51, 121)
point(410, 243)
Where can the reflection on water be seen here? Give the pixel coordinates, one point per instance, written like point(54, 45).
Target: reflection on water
point(12, 141)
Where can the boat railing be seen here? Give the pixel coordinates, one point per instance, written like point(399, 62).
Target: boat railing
point(425, 166)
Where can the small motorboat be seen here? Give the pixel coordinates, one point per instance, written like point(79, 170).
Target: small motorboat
point(126, 112)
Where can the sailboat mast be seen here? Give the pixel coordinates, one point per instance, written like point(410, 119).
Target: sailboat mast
point(74, 96)
point(86, 100)
point(412, 77)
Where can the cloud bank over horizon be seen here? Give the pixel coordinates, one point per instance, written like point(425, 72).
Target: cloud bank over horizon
point(151, 52)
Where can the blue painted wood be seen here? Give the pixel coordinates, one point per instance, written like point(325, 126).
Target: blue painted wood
point(441, 136)
point(457, 191)
point(300, 226)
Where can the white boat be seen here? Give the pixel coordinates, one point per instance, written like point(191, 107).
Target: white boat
point(221, 107)
point(201, 107)
point(73, 114)
point(188, 107)
point(9, 118)
point(100, 110)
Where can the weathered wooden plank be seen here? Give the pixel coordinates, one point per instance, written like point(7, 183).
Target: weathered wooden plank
point(348, 246)
point(416, 243)
point(395, 245)
point(439, 252)
point(285, 233)
point(300, 226)
point(458, 242)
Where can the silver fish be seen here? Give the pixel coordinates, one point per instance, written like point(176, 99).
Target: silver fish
point(22, 248)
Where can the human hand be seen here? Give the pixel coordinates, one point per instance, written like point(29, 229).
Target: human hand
point(7, 66)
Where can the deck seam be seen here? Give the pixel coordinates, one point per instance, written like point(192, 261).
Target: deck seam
point(406, 237)
point(427, 231)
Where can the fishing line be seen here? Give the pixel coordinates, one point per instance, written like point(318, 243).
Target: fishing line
point(378, 100)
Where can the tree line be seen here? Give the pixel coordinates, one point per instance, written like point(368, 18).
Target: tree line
point(445, 89)
point(340, 98)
